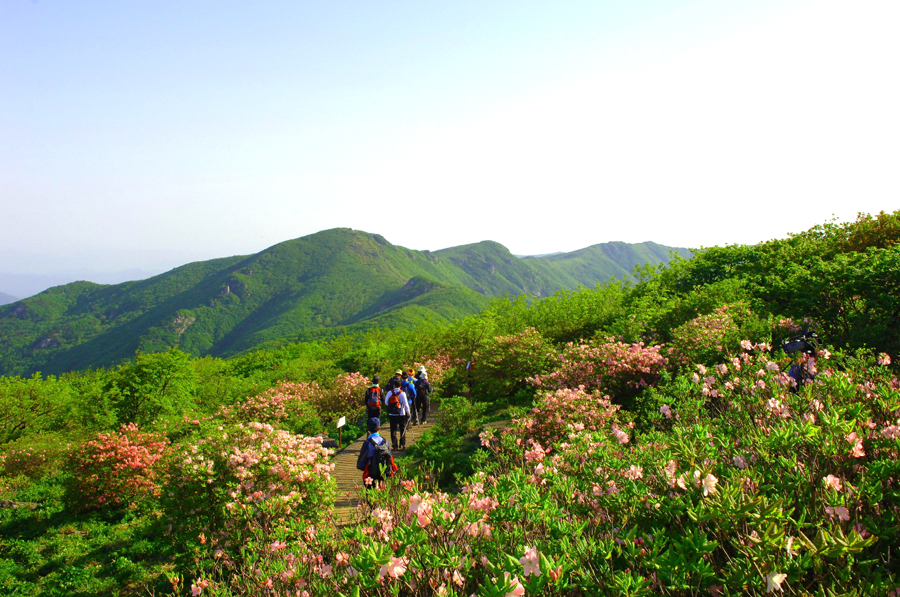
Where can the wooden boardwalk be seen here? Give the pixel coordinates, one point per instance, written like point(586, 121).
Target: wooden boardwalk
point(349, 479)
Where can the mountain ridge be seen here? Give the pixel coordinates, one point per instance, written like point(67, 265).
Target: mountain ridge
point(331, 282)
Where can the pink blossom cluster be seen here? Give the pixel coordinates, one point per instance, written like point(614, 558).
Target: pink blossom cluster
point(558, 412)
point(250, 471)
point(437, 366)
point(274, 404)
point(340, 397)
point(612, 367)
point(788, 325)
point(343, 396)
point(118, 468)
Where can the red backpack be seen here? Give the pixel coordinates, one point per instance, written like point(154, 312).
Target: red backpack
point(373, 397)
point(394, 401)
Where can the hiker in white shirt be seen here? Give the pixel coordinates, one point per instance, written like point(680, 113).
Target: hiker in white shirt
point(398, 413)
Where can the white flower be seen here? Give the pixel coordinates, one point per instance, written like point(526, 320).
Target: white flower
point(709, 484)
point(773, 582)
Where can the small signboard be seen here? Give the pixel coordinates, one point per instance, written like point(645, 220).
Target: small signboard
point(341, 422)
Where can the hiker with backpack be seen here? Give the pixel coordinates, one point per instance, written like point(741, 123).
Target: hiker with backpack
point(398, 413)
point(409, 388)
point(423, 391)
point(375, 459)
point(390, 383)
point(373, 399)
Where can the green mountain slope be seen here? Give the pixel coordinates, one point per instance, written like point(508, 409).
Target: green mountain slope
point(316, 286)
point(609, 260)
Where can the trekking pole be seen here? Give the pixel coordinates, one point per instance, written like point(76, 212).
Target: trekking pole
point(405, 428)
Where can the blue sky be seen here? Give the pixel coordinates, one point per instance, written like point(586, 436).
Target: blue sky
point(149, 134)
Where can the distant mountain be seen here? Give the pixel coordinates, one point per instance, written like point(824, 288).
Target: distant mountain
point(6, 299)
point(610, 260)
point(315, 286)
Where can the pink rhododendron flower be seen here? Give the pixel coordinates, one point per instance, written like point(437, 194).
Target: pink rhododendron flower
point(531, 561)
point(517, 589)
point(857, 450)
point(536, 454)
point(891, 432)
point(620, 435)
point(634, 473)
point(884, 360)
point(394, 569)
point(665, 411)
point(746, 344)
point(832, 482)
point(740, 462)
point(722, 368)
point(669, 471)
point(772, 366)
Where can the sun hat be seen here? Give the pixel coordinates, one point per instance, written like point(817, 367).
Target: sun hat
point(398, 372)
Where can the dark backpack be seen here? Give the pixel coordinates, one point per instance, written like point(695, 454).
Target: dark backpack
point(380, 460)
point(373, 397)
point(393, 402)
point(423, 388)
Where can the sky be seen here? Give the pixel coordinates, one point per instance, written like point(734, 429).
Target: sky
point(143, 135)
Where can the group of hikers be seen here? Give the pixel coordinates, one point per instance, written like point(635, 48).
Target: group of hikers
point(406, 398)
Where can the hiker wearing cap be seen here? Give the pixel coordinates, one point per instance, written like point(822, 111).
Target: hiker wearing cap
point(373, 399)
point(398, 413)
point(409, 388)
point(422, 405)
point(375, 459)
point(420, 372)
point(390, 384)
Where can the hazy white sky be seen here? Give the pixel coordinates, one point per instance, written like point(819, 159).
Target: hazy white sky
point(150, 134)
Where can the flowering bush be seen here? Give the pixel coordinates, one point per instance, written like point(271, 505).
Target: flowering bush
point(229, 475)
point(116, 469)
point(614, 368)
point(34, 456)
point(558, 413)
point(710, 337)
point(343, 397)
point(296, 405)
point(437, 366)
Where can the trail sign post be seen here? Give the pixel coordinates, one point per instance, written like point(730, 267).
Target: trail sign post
point(341, 422)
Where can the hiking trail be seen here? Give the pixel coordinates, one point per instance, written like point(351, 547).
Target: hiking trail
point(349, 479)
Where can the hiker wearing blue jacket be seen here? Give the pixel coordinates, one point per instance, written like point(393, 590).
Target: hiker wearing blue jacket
point(375, 459)
point(408, 385)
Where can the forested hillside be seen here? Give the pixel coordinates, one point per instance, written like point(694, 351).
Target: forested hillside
point(648, 438)
point(319, 286)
